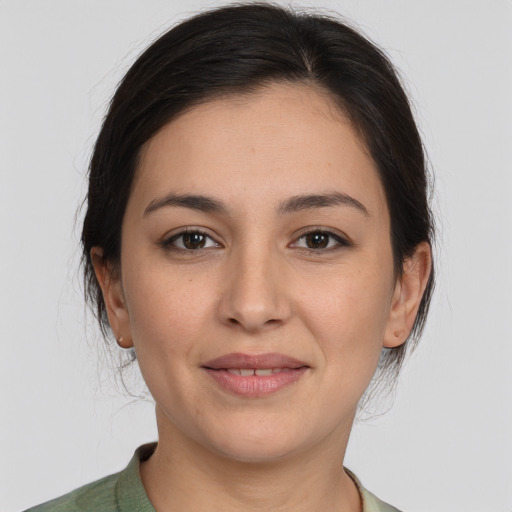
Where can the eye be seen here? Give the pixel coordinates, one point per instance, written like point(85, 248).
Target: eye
point(190, 241)
point(319, 240)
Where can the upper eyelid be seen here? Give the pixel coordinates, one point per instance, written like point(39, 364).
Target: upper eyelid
point(319, 229)
point(188, 229)
point(168, 239)
point(338, 239)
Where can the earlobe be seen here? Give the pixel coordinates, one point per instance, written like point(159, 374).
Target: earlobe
point(407, 296)
point(111, 288)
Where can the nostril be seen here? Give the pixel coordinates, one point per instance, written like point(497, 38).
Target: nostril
point(253, 326)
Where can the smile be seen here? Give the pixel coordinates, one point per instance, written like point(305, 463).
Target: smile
point(247, 372)
point(255, 376)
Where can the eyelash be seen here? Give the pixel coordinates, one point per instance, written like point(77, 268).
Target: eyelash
point(340, 242)
point(169, 243)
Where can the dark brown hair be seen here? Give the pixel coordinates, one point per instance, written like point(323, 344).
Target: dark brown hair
point(238, 49)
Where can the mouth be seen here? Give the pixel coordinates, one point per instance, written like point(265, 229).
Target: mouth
point(260, 372)
point(255, 376)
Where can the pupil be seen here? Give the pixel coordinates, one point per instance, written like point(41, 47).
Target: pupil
point(317, 240)
point(193, 240)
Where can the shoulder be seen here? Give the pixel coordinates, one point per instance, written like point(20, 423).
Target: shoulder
point(121, 491)
point(99, 496)
point(370, 502)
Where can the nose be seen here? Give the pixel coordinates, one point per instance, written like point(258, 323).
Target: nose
point(254, 291)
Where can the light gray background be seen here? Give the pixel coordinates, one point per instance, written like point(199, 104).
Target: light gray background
point(446, 445)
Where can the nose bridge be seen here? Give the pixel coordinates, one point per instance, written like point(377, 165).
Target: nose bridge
point(253, 295)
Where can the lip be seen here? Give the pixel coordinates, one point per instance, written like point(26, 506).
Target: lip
point(256, 361)
point(255, 386)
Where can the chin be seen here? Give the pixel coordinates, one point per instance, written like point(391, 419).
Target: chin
point(262, 445)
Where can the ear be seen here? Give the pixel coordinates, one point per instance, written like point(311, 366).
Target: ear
point(110, 283)
point(407, 296)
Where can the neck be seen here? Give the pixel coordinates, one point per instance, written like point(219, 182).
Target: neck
point(308, 481)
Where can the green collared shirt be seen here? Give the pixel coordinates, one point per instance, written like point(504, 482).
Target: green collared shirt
point(124, 492)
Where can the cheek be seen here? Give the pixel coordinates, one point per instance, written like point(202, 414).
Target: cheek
point(347, 316)
point(349, 302)
point(168, 312)
point(169, 317)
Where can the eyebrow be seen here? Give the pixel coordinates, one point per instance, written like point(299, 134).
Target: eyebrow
point(293, 204)
point(313, 201)
point(195, 202)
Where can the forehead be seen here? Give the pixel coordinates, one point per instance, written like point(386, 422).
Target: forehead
point(282, 140)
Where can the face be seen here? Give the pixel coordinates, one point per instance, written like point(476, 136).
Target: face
point(256, 280)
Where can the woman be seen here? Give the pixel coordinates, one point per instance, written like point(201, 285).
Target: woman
point(258, 233)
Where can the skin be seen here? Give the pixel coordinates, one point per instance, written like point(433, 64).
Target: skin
point(258, 285)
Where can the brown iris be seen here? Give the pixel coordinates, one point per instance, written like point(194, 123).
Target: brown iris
point(317, 240)
point(194, 240)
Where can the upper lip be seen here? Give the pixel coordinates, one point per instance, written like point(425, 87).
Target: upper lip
point(254, 361)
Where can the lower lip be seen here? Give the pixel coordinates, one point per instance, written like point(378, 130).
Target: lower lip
point(255, 386)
